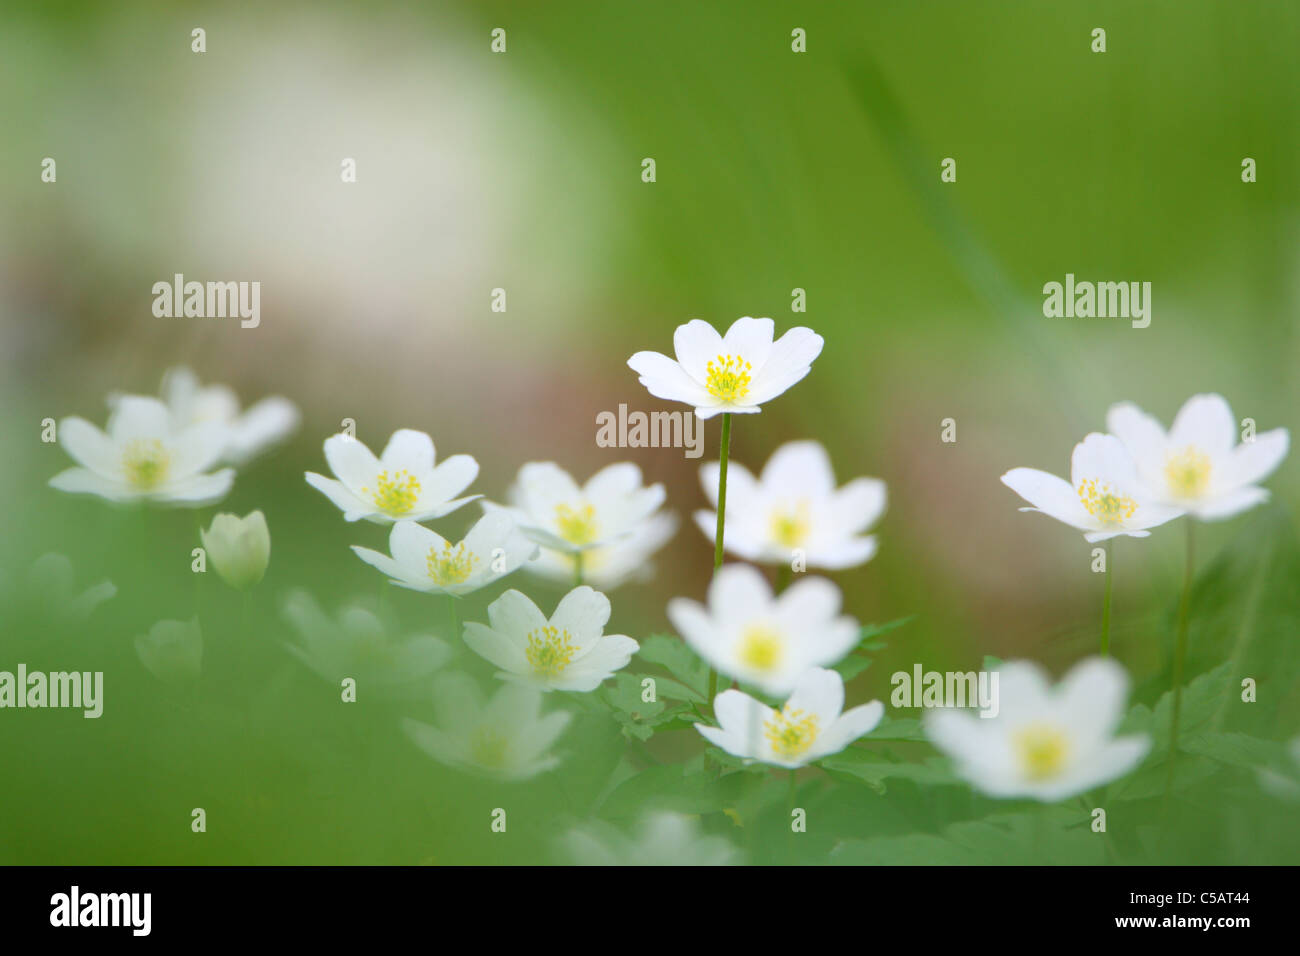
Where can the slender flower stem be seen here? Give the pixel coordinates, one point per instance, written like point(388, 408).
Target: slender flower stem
point(784, 577)
point(577, 569)
point(1180, 654)
point(722, 513)
point(455, 623)
point(1105, 607)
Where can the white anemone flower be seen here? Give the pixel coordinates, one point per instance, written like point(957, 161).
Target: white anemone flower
point(607, 566)
point(570, 651)
point(795, 507)
point(50, 590)
point(249, 432)
point(1046, 743)
point(172, 651)
point(424, 560)
point(736, 372)
point(813, 723)
point(662, 839)
point(552, 509)
point(1104, 497)
point(504, 738)
point(769, 642)
point(1197, 465)
point(240, 548)
point(143, 456)
point(402, 483)
point(356, 645)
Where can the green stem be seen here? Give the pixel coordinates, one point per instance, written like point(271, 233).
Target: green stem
point(577, 569)
point(723, 453)
point(455, 622)
point(1105, 607)
point(784, 577)
point(1180, 654)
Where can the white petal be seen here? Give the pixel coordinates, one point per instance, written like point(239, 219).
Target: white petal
point(696, 344)
point(1251, 462)
point(664, 378)
point(749, 338)
point(1205, 422)
point(411, 450)
point(351, 461)
point(1049, 494)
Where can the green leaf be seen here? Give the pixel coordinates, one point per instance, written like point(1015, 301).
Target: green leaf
point(671, 787)
point(874, 770)
point(677, 659)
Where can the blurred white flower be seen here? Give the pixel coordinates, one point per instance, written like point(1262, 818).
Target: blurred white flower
point(50, 586)
point(1283, 783)
point(795, 506)
point(1103, 498)
point(550, 507)
point(568, 652)
point(402, 483)
point(144, 457)
point(737, 372)
point(812, 724)
point(1045, 742)
point(249, 433)
point(1197, 466)
point(357, 645)
point(172, 651)
point(423, 560)
point(607, 566)
point(239, 548)
point(505, 738)
point(662, 839)
point(769, 642)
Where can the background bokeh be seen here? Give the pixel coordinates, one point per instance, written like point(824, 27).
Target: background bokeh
point(522, 171)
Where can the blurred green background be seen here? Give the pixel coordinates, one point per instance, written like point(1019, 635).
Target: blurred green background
point(521, 171)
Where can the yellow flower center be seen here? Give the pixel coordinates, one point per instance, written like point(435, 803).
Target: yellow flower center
point(577, 525)
point(790, 528)
point(488, 748)
point(761, 648)
point(451, 566)
point(1042, 749)
point(1104, 504)
point(790, 732)
point(727, 378)
point(550, 651)
point(395, 494)
point(1188, 472)
point(146, 463)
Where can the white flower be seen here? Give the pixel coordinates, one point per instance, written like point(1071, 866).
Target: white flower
point(143, 457)
point(357, 645)
point(550, 507)
point(663, 839)
point(737, 372)
point(795, 506)
point(240, 548)
point(51, 590)
point(810, 725)
point(1197, 465)
point(607, 566)
point(402, 483)
point(172, 651)
point(1047, 743)
point(567, 652)
point(423, 560)
point(506, 738)
point(758, 639)
point(1104, 496)
point(249, 433)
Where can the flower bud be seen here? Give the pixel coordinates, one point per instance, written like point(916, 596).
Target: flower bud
point(239, 548)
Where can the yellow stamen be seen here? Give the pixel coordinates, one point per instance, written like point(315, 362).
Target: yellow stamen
point(1043, 750)
point(577, 525)
point(790, 732)
point(452, 566)
point(1104, 504)
point(146, 463)
point(488, 748)
point(395, 495)
point(761, 648)
point(727, 378)
point(789, 529)
point(550, 651)
point(1188, 472)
